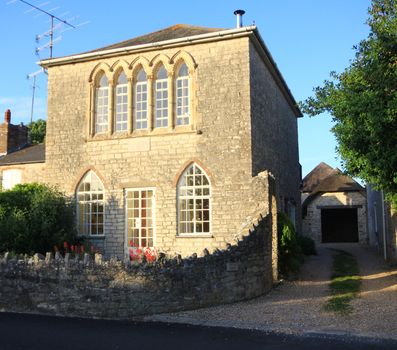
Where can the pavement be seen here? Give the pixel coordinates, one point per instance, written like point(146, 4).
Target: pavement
point(297, 307)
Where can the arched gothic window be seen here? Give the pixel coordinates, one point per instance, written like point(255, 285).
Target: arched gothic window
point(161, 99)
point(182, 96)
point(140, 115)
point(194, 201)
point(90, 205)
point(121, 104)
point(101, 105)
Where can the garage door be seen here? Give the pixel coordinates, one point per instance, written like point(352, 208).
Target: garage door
point(339, 225)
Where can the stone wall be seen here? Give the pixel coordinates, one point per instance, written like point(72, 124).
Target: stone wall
point(312, 220)
point(218, 140)
point(274, 134)
point(111, 289)
point(33, 172)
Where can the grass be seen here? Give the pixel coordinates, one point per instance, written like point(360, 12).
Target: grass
point(345, 282)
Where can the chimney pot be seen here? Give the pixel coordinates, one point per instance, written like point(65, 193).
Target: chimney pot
point(239, 16)
point(7, 116)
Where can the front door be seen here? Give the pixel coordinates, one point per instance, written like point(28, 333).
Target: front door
point(140, 215)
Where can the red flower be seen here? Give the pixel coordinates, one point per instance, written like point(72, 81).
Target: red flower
point(66, 245)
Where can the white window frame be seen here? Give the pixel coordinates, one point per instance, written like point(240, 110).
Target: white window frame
point(194, 197)
point(101, 109)
point(121, 107)
point(140, 113)
point(182, 105)
point(102, 201)
point(161, 113)
point(126, 209)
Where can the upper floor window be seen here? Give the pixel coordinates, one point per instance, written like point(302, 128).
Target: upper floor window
point(161, 99)
point(141, 110)
point(101, 105)
point(182, 96)
point(193, 195)
point(90, 205)
point(121, 104)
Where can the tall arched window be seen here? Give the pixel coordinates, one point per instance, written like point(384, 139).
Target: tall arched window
point(140, 115)
point(121, 103)
point(90, 205)
point(182, 96)
point(194, 197)
point(161, 99)
point(101, 105)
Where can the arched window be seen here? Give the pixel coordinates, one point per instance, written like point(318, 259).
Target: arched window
point(194, 196)
point(101, 105)
point(182, 96)
point(161, 99)
point(121, 103)
point(140, 115)
point(90, 205)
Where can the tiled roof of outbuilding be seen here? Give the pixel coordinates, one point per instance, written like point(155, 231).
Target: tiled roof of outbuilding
point(28, 154)
point(174, 32)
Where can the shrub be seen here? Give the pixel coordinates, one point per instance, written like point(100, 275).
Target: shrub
point(34, 218)
point(307, 245)
point(289, 251)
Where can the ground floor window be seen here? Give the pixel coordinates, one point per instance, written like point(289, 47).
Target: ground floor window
point(194, 200)
point(140, 216)
point(90, 205)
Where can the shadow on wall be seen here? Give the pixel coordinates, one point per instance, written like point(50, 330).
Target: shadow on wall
point(113, 289)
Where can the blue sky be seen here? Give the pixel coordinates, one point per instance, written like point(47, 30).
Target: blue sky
point(307, 39)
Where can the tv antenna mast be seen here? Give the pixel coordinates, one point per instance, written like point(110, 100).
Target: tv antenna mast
point(30, 76)
point(53, 17)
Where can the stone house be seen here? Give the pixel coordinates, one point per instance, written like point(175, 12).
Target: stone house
point(334, 207)
point(20, 162)
point(170, 139)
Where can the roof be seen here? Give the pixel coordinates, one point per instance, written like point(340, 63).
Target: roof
point(176, 36)
point(176, 31)
point(28, 154)
point(319, 173)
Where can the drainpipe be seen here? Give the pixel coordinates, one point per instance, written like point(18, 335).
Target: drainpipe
point(384, 226)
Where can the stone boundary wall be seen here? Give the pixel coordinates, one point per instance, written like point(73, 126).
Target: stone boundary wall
point(116, 290)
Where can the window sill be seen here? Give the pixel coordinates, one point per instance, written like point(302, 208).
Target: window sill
point(195, 235)
point(179, 130)
point(92, 237)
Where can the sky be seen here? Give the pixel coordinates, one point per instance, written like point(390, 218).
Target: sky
point(307, 39)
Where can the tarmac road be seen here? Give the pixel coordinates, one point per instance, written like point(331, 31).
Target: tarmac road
point(21, 331)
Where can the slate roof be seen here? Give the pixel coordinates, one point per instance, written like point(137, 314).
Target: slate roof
point(174, 32)
point(28, 154)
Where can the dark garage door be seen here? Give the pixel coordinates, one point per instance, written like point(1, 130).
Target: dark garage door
point(339, 225)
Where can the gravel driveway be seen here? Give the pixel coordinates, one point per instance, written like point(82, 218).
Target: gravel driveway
point(298, 307)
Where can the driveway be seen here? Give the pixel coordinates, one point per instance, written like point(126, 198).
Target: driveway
point(298, 307)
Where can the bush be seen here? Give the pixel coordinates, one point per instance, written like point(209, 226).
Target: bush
point(289, 251)
point(307, 245)
point(34, 218)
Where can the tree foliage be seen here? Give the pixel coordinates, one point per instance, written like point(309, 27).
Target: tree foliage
point(37, 130)
point(34, 218)
point(363, 103)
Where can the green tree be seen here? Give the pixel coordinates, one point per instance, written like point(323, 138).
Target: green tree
point(363, 103)
point(37, 130)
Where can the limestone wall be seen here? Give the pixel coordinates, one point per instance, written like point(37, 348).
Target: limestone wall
point(218, 140)
point(274, 134)
point(84, 288)
point(34, 172)
point(312, 221)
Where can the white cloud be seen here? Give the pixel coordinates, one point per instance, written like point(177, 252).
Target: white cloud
point(20, 107)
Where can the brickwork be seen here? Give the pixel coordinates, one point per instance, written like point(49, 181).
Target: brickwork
point(312, 221)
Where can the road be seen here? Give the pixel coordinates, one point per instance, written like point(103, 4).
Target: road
point(20, 331)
